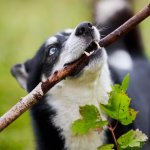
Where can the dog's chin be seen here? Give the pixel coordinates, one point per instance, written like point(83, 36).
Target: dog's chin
point(92, 66)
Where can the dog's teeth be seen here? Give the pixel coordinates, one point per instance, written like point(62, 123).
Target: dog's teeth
point(91, 52)
point(86, 53)
point(98, 45)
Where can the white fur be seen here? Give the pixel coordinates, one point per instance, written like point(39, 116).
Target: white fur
point(68, 31)
point(51, 40)
point(68, 95)
point(106, 9)
point(22, 77)
point(121, 60)
point(59, 34)
point(90, 87)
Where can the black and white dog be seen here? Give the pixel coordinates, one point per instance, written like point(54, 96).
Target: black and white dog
point(53, 116)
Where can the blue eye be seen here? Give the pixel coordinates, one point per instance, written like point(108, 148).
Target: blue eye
point(52, 50)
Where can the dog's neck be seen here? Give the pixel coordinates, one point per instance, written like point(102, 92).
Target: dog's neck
point(67, 96)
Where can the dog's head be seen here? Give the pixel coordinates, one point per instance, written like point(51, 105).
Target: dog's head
point(58, 50)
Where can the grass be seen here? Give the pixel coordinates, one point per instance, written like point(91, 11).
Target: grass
point(144, 25)
point(23, 27)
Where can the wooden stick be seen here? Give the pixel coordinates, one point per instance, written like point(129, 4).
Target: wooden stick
point(126, 27)
point(40, 90)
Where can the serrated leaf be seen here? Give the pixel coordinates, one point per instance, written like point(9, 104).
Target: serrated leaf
point(118, 108)
point(123, 86)
point(91, 119)
point(81, 126)
point(125, 82)
point(132, 139)
point(106, 147)
point(118, 104)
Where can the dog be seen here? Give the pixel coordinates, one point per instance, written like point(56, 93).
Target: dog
point(53, 116)
point(126, 55)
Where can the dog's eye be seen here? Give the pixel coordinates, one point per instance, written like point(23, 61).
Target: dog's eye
point(52, 50)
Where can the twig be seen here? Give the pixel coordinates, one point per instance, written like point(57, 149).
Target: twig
point(113, 135)
point(41, 89)
point(114, 128)
point(126, 27)
point(38, 92)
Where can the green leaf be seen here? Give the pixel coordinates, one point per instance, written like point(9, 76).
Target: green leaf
point(118, 104)
point(81, 126)
point(125, 82)
point(90, 120)
point(89, 112)
point(106, 147)
point(118, 108)
point(123, 86)
point(117, 88)
point(132, 139)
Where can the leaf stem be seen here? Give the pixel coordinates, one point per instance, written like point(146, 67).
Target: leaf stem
point(115, 126)
point(113, 135)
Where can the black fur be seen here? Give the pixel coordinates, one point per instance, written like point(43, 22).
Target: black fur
point(47, 136)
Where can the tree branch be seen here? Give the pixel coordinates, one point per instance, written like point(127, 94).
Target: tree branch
point(113, 135)
point(40, 90)
point(126, 27)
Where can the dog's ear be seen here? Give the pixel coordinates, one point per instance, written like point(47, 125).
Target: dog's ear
point(21, 73)
point(28, 74)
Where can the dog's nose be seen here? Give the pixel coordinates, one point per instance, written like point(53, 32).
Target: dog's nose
point(84, 28)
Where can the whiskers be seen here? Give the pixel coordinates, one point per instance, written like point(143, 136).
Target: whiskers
point(102, 29)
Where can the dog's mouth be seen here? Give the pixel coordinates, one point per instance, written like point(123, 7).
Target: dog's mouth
point(91, 49)
point(91, 52)
point(82, 41)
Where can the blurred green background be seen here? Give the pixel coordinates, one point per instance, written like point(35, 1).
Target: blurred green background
point(24, 25)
